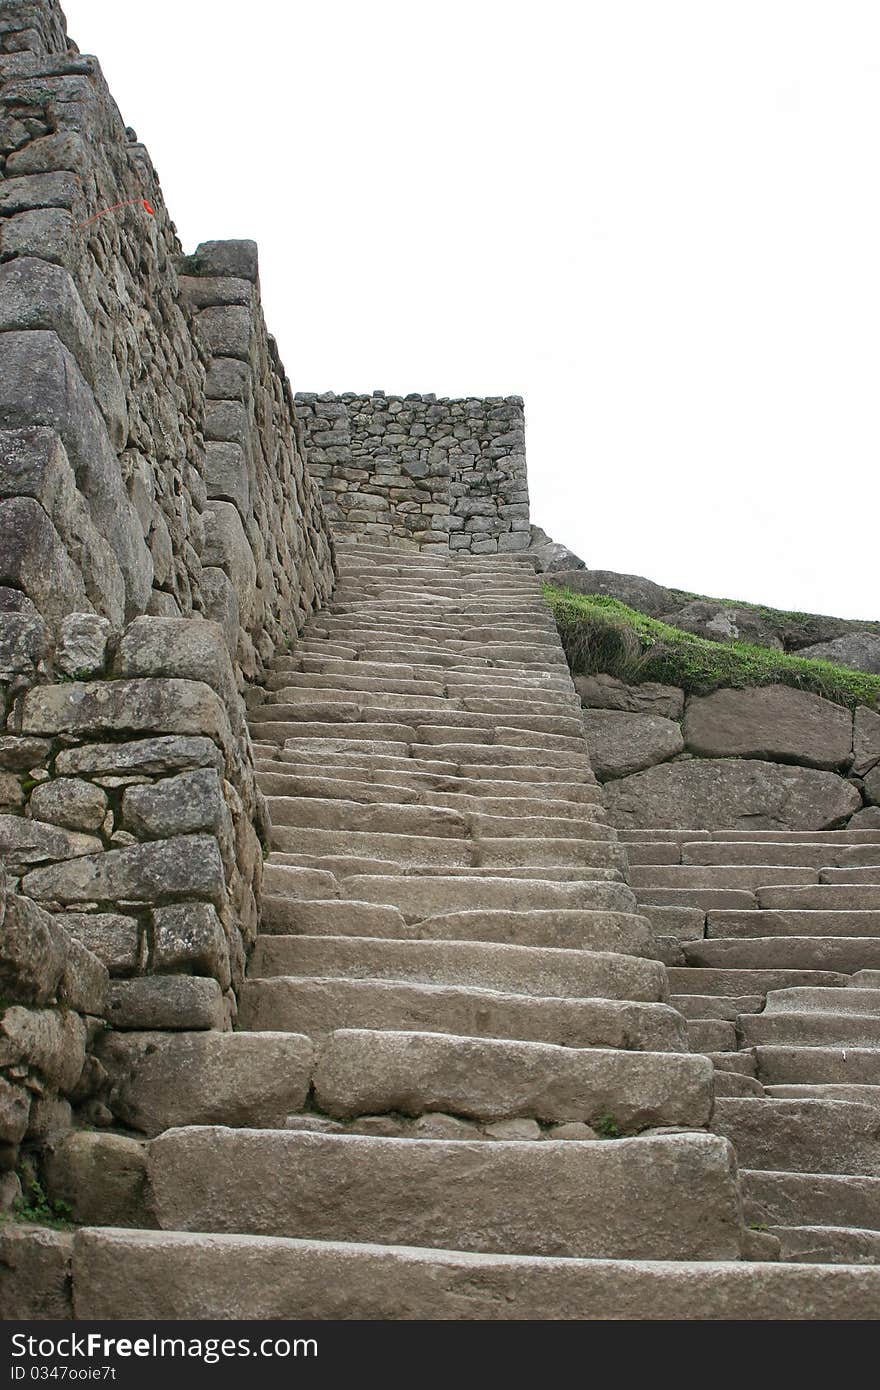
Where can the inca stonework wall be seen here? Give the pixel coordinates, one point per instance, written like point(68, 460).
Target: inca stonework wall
point(160, 538)
point(765, 758)
point(427, 473)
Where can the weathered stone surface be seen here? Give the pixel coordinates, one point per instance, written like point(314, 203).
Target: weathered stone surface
point(226, 546)
point(114, 938)
point(84, 982)
point(158, 872)
point(642, 594)
point(621, 743)
point(41, 384)
point(34, 293)
point(774, 722)
point(69, 802)
point(573, 1199)
point(181, 805)
point(27, 842)
point(730, 794)
point(190, 649)
point(240, 1079)
point(872, 786)
point(33, 952)
point(126, 706)
point(33, 558)
point(607, 692)
point(166, 1001)
point(724, 623)
point(35, 1280)
point(152, 757)
point(189, 937)
point(861, 650)
point(15, 1106)
point(51, 1041)
point(169, 1275)
point(237, 259)
point(361, 1072)
point(23, 754)
point(866, 741)
point(102, 1177)
point(23, 644)
point(867, 819)
point(82, 645)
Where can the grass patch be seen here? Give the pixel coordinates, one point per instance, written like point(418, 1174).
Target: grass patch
point(40, 1210)
point(601, 634)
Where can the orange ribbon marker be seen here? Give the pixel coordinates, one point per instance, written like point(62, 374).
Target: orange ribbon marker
point(129, 202)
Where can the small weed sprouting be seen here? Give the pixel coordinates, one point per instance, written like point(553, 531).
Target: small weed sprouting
point(41, 1210)
point(607, 1126)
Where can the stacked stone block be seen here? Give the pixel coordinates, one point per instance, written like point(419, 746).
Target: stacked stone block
point(428, 474)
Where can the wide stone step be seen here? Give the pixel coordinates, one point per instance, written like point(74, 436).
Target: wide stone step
point(427, 819)
point(371, 1073)
point(837, 1065)
point(161, 1275)
point(814, 855)
point(701, 899)
point(793, 923)
point(691, 980)
point(826, 1199)
point(835, 837)
point(869, 875)
point(496, 852)
point(614, 1199)
point(441, 723)
point(805, 1136)
point(840, 953)
point(823, 1090)
point(828, 1245)
point(351, 865)
point(709, 1035)
point(487, 965)
point(284, 676)
point(749, 876)
point(811, 1029)
point(572, 929)
point(841, 1001)
point(503, 779)
point(422, 896)
point(317, 1006)
point(821, 897)
point(399, 779)
point(339, 789)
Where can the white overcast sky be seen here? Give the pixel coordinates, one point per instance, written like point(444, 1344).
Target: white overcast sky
point(657, 220)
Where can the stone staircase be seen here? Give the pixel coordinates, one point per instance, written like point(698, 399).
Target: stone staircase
point(773, 943)
point(460, 1088)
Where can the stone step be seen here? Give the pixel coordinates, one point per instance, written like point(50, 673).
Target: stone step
point(803, 999)
point(487, 965)
point(737, 1085)
point(835, 837)
point(349, 865)
point(741, 1062)
point(622, 932)
point(838, 953)
point(826, 1199)
point(701, 899)
point(746, 852)
point(664, 853)
point(363, 1072)
point(578, 798)
point(748, 876)
point(422, 896)
point(711, 1035)
point(659, 837)
point(442, 723)
point(318, 1006)
point(869, 875)
point(828, 1245)
point(692, 980)
point(836, 1065)
point(796, 922)
point(504, 851)
point(823, 1090)
point(804, 1136)
point(280, 678)
point(682, 923)
point(349, 759)
point(328, 788)
point(430, 820)
point(588, 1200)
point(716, 1006)
point(811, 1029)
point(160, 1275)
point(821, 897)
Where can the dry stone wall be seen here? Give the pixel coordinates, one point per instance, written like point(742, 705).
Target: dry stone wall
point(427, 473)
point(160, 539)
point(769, 757)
